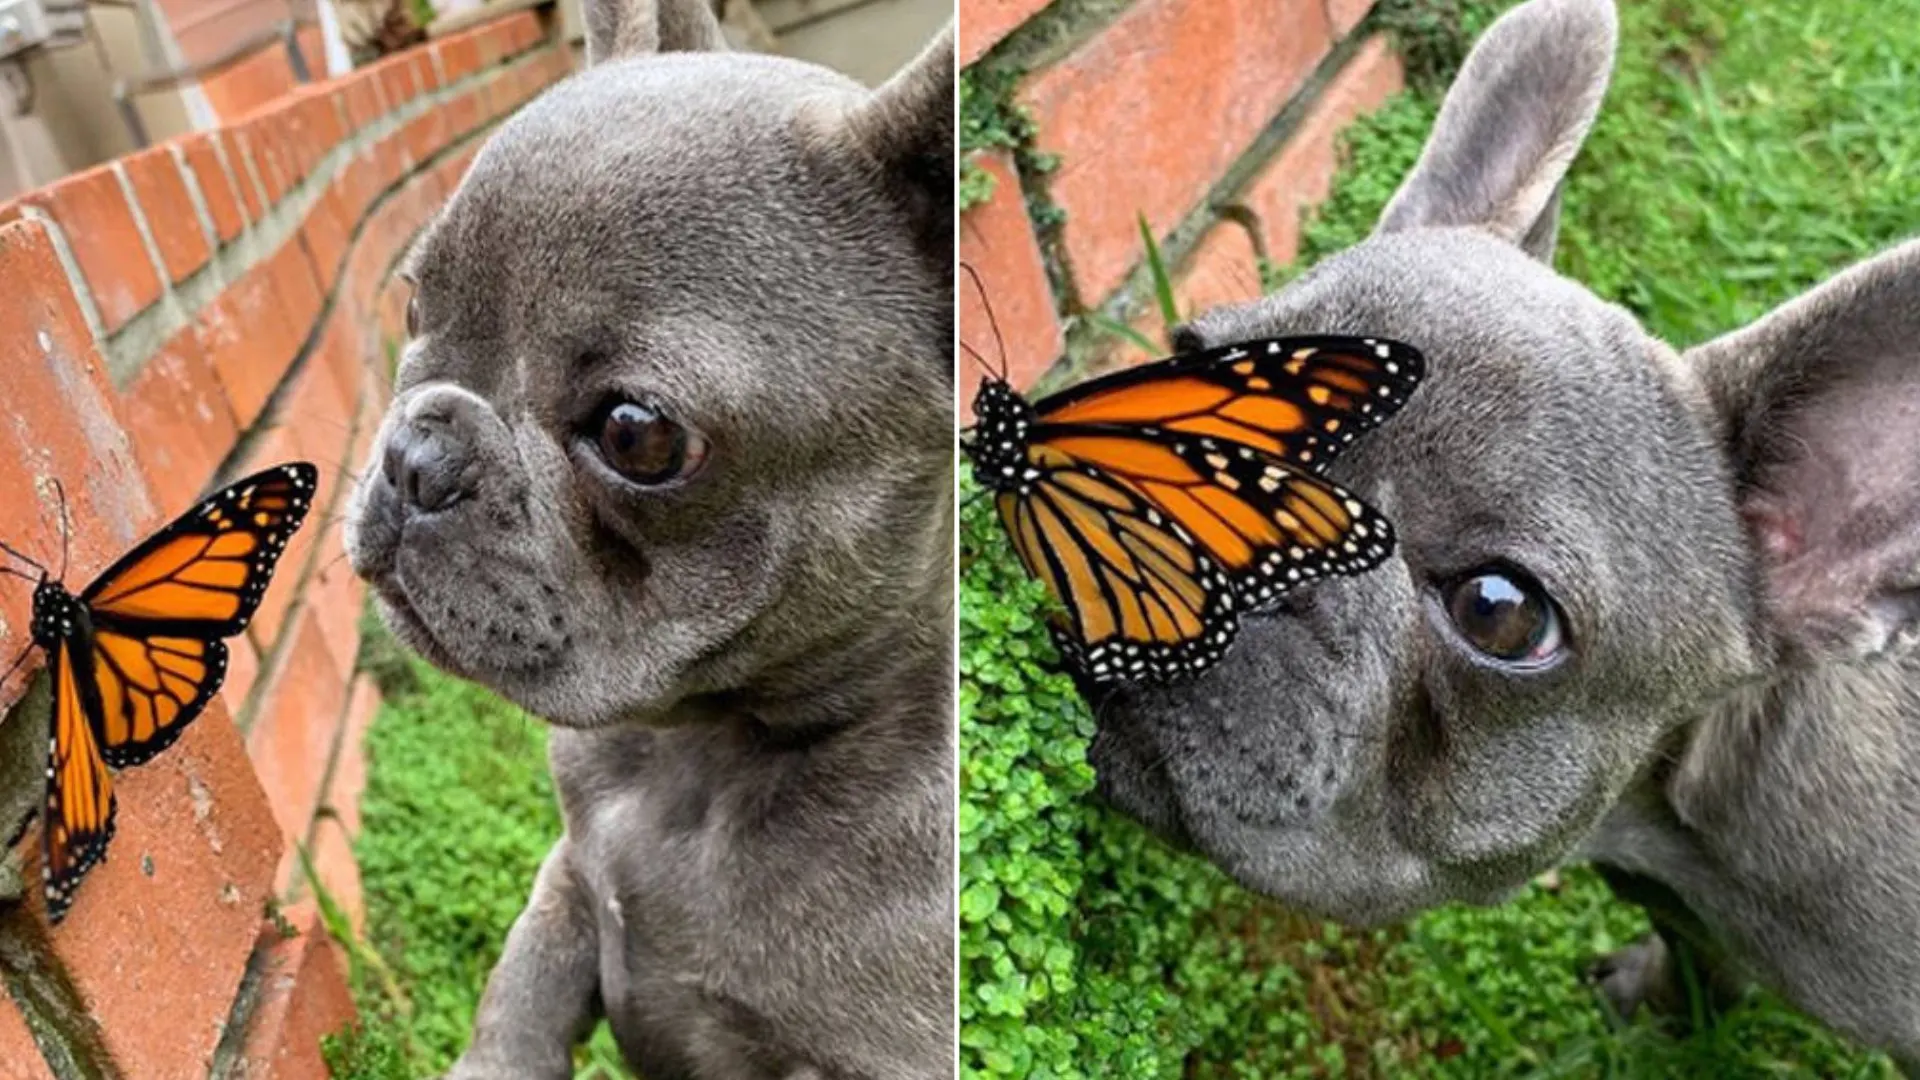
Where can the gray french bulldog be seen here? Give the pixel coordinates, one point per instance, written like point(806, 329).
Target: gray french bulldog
point(669, 463)
point(1649, 608)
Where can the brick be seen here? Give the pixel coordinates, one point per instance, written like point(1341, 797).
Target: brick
point(172, 220)
point(491, 43)
point(59, 419)
point(179, 420)
point(254, 329)
point(313, 424)
point(259, 144)
point(293, 732)
point(241, 88)
point(1223, 268)
point(93, 213)
point(391, 160)
point(245, 172)
point(526, 32)
point(996, 240)
point(1301, 174)
point(341, 352)
point(19, 1057)
point(327, 232)
point(1151, 111)
point(243, 670)
point(424, 74)
point(201, 156)
point(349, 780)
point(335, 594)
point(333, 863)
point(426, 134)
point(1347, 14)
point(159, 934)
point(319, 113)
point(468, 112)
point(359, 185)
point(393, 311)
point(453, 169)
point(359, 90)
point(988, 21)
point(303, 998)
point(459, 57)
point(397, 82)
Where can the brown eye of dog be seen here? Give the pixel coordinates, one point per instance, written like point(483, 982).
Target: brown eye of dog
point(647, 446)
point(413, 315)
point(1506, 616)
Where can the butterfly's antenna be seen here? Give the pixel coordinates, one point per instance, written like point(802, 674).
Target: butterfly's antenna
point(66, 531)
point(977, 496)
point(4, 546)
point(1000, 343)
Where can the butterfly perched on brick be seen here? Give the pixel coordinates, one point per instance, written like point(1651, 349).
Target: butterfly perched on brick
point(137, 655)
point(1159, 503)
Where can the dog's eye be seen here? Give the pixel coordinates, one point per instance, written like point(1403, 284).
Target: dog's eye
point(1506, 615)
point(413, 315)
point(648, 447)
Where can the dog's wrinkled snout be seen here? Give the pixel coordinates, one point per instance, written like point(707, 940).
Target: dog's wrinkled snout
point(429, 460)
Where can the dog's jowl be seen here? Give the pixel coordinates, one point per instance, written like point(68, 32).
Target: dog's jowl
point(669, 464)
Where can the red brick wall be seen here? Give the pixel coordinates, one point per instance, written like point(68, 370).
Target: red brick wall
point(1149, 112)
point(170, 321)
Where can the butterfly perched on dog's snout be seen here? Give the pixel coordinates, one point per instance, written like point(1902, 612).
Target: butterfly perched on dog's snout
point(138, 654)
point(1159, 503)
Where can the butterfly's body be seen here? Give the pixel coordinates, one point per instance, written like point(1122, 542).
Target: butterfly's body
point(1158, 503)
point(139, 653)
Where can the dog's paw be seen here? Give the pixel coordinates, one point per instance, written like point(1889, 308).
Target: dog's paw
point(1640, 976)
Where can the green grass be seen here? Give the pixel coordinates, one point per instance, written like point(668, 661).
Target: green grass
point(1744, 153)
point(458, 812)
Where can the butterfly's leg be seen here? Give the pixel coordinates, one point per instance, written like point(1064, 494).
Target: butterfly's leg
point(543, 995)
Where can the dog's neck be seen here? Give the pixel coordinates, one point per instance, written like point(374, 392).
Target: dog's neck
point(900, 656)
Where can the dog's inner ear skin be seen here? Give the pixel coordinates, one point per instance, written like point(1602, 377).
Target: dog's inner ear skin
point(617, 29)
point(1511, 125)
point(1820, 407)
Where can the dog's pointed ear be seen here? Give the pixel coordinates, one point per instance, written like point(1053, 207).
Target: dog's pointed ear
point(905, 131)
point(1819, 406)
point(617, 29)
point(1511, 125)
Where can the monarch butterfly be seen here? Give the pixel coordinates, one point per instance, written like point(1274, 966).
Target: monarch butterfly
point(139, 653)
point(1158, 503)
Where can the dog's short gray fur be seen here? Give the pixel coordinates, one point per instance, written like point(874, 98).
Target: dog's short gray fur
point(1733, 533)
point(750, 676)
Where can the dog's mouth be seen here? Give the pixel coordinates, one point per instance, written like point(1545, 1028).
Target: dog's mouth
point(407, 624)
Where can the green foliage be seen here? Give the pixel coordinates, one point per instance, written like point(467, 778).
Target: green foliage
point(367, 1051)
point(1745, 152)
point(1433, 36)
point(458, 813)
point(989, 120)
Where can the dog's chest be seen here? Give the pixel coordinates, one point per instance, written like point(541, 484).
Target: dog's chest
point(728, 915)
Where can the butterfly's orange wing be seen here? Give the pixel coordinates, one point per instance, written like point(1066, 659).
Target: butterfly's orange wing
point(1144, 602)
point(1297, 399)
point(80, 803)
point(204, 574)
point(159, 614)
point(1268, 525)
point(1229, 444)
point(150, 689)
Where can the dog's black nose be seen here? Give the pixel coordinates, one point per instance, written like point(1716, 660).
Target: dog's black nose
point(428, 465)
